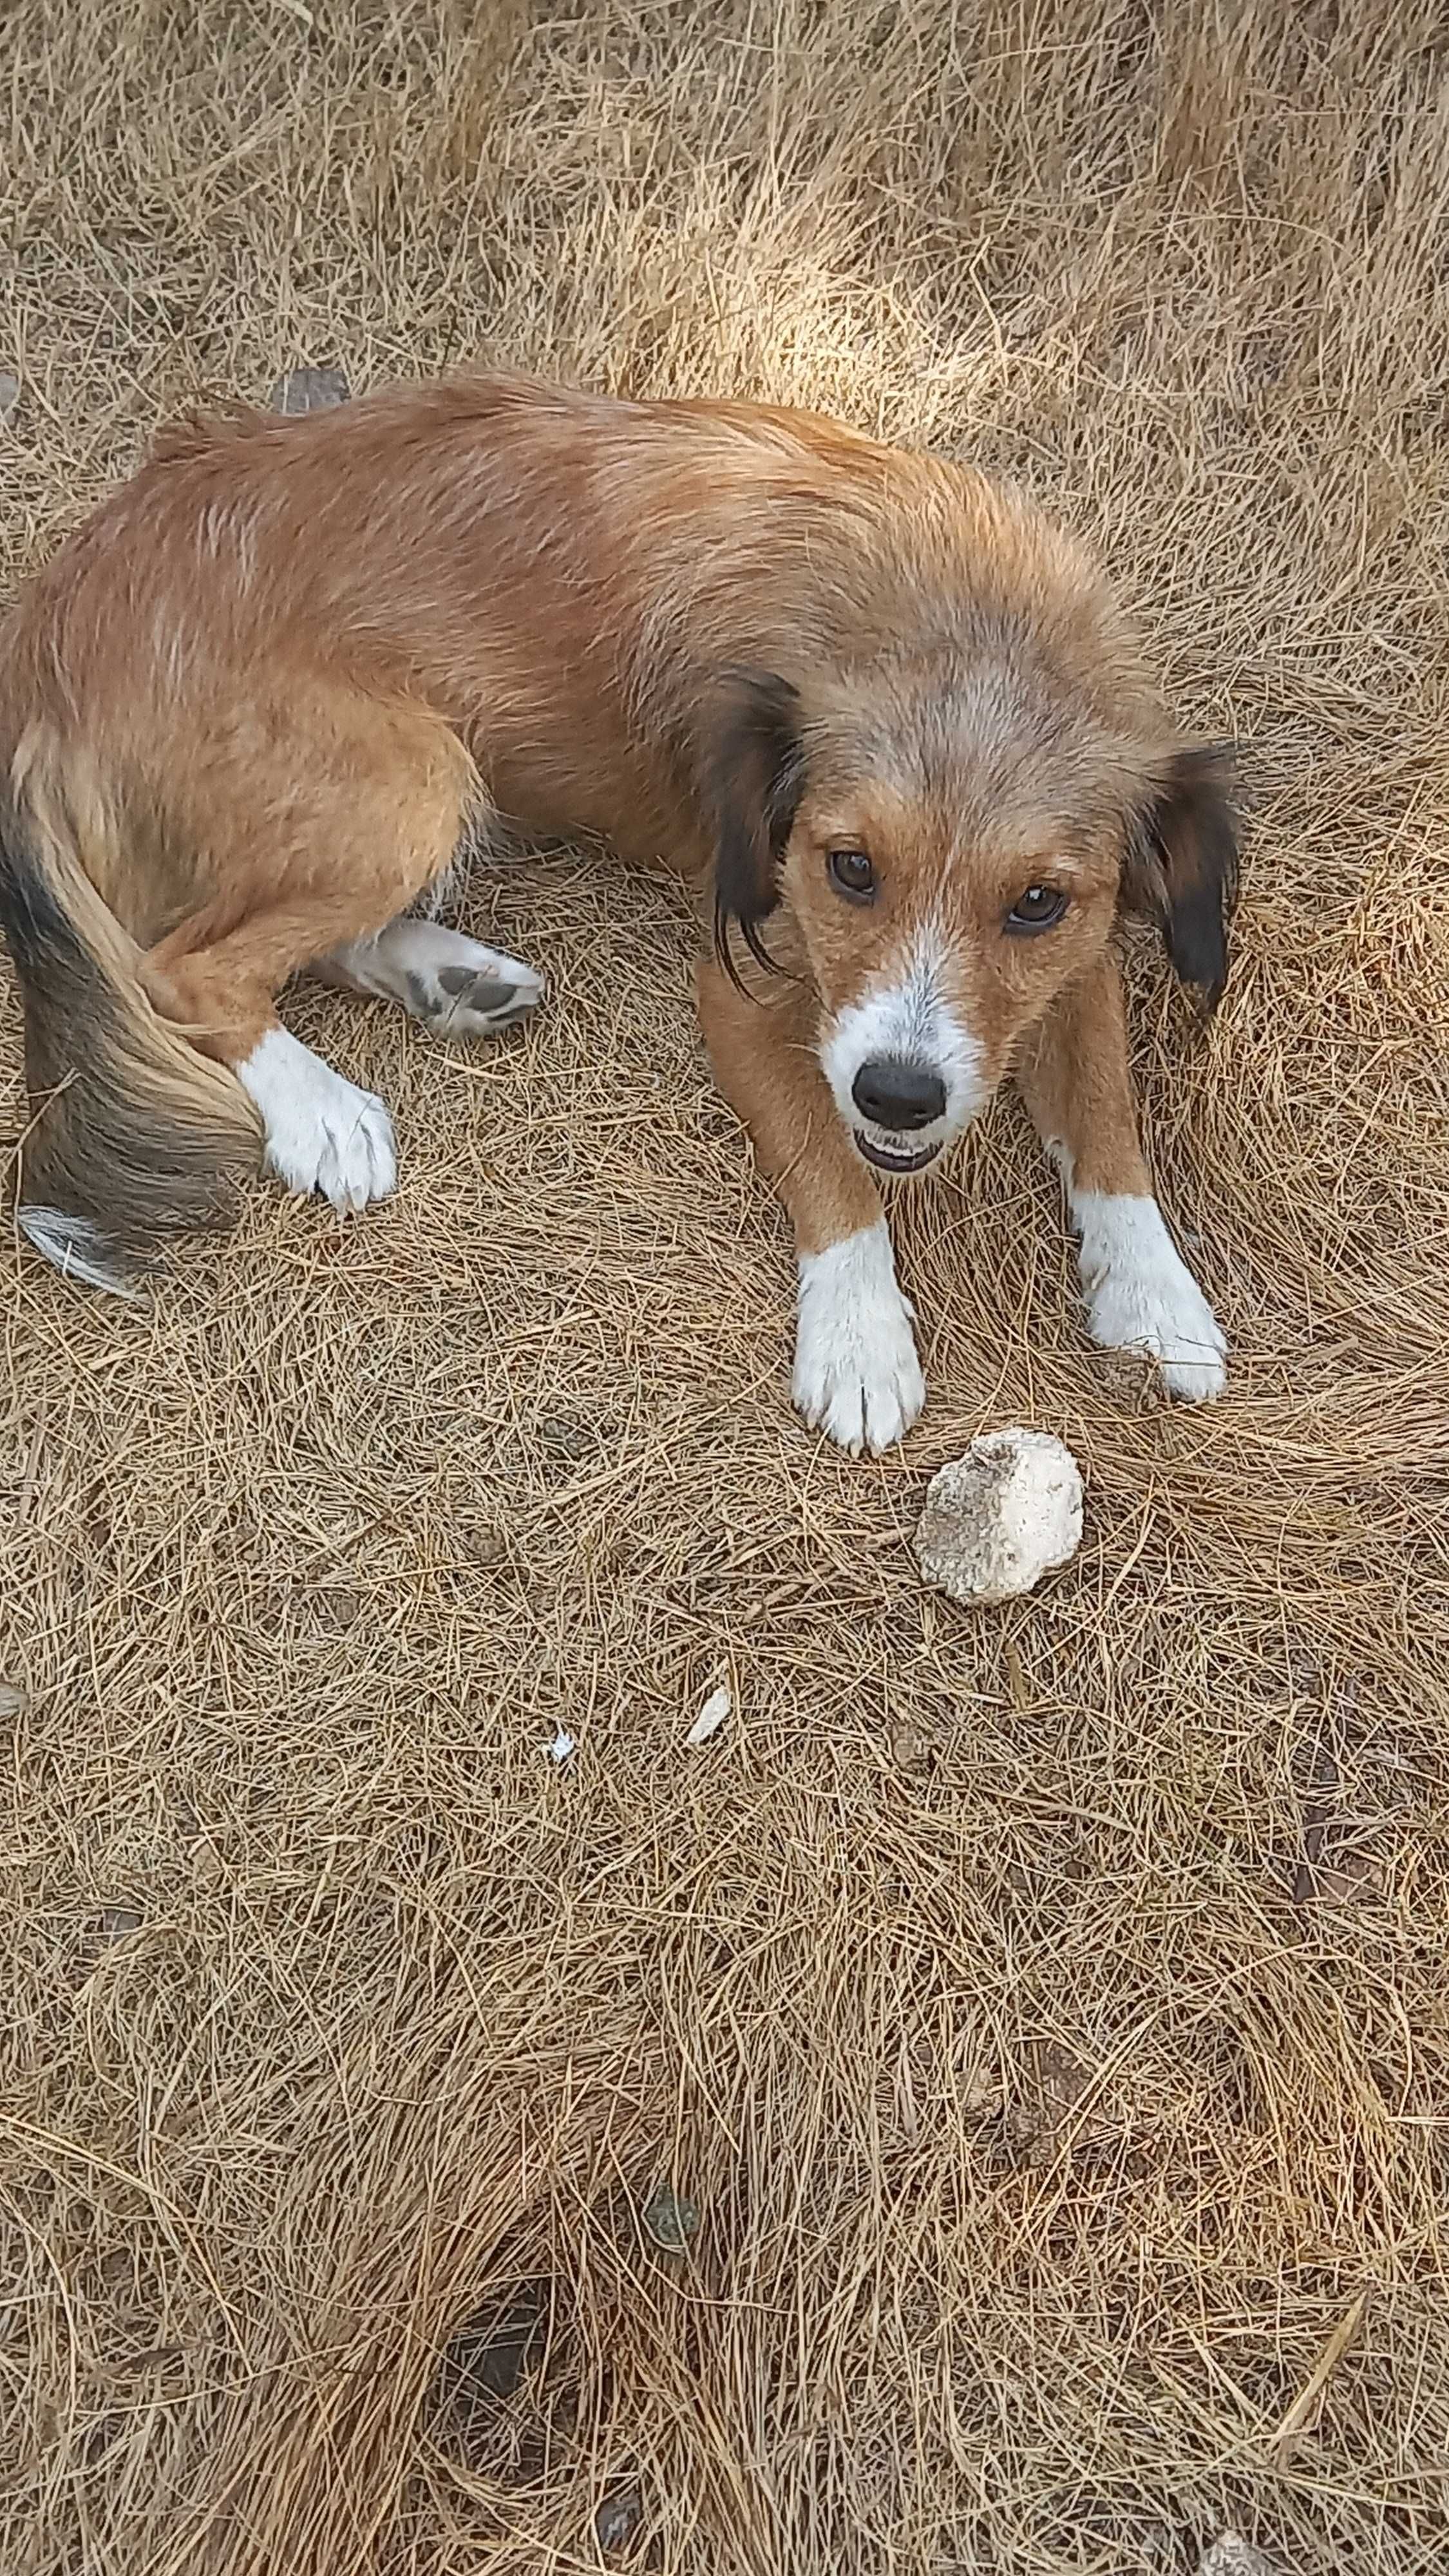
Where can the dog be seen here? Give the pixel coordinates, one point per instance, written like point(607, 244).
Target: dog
point(886, 715)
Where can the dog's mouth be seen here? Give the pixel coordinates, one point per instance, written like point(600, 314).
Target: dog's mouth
point(900, 1158)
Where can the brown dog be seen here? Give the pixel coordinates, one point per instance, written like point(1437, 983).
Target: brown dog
point(255, 708)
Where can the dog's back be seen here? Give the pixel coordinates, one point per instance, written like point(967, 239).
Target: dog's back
point(502, 548)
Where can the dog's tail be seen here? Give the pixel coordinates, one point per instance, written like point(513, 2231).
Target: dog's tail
point(132, 1134)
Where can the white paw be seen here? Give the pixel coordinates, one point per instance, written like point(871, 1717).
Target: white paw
point(1141, 1296)
point(857, 1376)
point(475, 992)
point(322, 1133)
point(457, 988)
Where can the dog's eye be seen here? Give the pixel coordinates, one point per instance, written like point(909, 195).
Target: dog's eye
point(852, 873)
point(1037, 909)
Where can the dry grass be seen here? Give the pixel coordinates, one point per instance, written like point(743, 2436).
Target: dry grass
point(1046, 2012)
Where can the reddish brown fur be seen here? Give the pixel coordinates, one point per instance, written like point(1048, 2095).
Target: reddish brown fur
point(300, 657)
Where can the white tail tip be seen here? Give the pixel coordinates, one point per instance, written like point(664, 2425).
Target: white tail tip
point(75, 1247)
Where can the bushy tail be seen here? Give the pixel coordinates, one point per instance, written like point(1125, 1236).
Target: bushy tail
point(133, 1135)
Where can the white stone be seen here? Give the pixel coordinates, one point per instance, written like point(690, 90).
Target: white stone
point(1000, 1518)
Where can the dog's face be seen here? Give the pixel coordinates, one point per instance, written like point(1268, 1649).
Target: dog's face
point(953, 841)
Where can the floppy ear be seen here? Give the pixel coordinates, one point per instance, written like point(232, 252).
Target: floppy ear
point(753, 776)
point(1182, 864)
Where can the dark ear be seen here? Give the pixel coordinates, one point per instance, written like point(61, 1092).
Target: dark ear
point(1182, 864)
point(753, 775)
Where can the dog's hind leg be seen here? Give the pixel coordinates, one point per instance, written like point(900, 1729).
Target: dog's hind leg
point(360, 808)
point(455, 986)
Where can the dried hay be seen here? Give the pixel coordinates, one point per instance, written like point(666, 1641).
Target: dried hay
point(1044, 2013)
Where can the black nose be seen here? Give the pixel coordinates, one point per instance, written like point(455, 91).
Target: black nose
point(896, 1094)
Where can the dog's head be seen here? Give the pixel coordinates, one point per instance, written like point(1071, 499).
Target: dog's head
point(953, 822)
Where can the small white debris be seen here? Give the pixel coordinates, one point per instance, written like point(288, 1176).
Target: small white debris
point(305, 389)
point(9, 393)
point(563, 1748)
point(1000, 1518)
point(712, 1716)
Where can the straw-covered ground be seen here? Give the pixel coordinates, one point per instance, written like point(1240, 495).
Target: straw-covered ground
point(1045, 2012)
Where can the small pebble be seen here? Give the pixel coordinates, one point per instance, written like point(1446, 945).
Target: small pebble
point(566, 1439)
point(1231, 2555)
point(617, 2519)
point(670, 2220)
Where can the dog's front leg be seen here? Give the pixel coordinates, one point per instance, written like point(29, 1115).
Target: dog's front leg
point(857, 1376)
point(1076, 1080)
